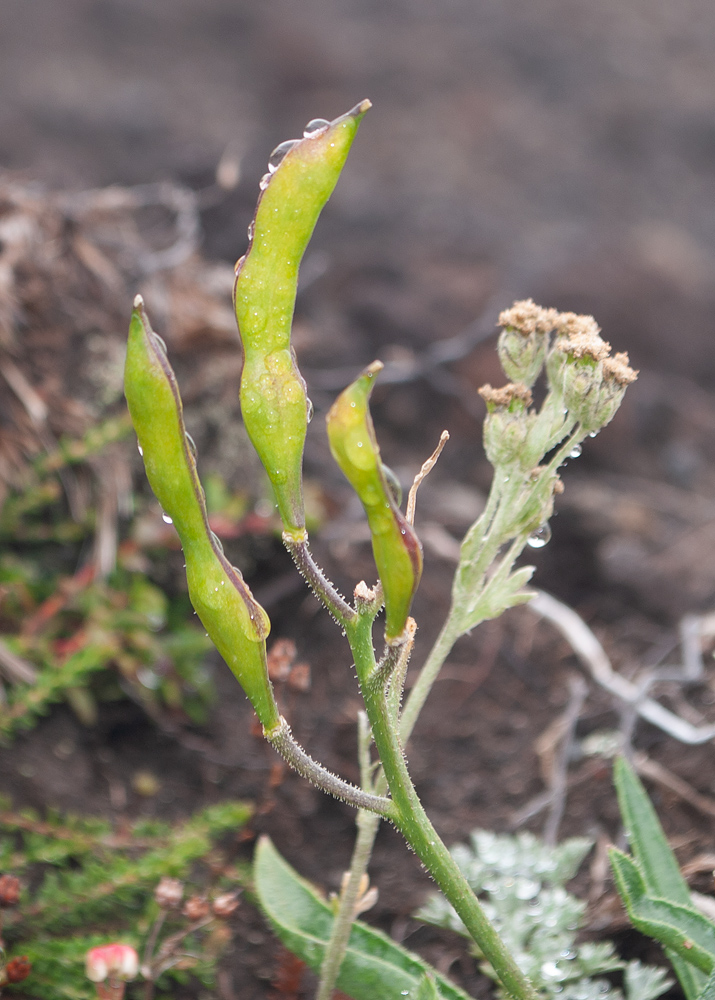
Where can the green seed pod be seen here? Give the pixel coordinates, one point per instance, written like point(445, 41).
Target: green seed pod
point(301, 178)
point(236, 623)
point(397, 550)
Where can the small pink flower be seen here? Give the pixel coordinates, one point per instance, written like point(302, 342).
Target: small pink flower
point(116, 961)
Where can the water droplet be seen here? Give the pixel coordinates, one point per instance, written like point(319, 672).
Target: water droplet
point(215, 590)
point(148, 679)
point(314, 126)
point(140, 449)
point(192, 446)
point(166, 519)
point(575, 451)
point(217, 542)
point(539, 538)
point(251, 229)
point(276, 157)
point(264, 182)
point(593, 434)
point(311, 409)
point(506, 479)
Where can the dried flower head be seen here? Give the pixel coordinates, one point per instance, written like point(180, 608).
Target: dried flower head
point(524, 340)
point(568, 324)
point(618, 370)
point(585, 343)
point(113, 961)
point(504, 397)
point(196, 908)
point(9, 890)
point(169, 893)
point(224, 905)
point(508, 421)
point(525, 317)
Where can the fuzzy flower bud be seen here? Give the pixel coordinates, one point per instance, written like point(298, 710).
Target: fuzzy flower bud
point(524, 340)
point(617, 376)
point(113, 961)
point(581, 369)
point(507, 422)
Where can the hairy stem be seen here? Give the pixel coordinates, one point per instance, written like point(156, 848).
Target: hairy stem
point(282, 740)
point(317, 580)
point(414, 824)
point(367, 824)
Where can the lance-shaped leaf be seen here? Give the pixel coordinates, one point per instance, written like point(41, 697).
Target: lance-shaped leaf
point(301, 178)
point(655, 859)
point(235, 621)
point(646, 837)
point(374, 966)
point(681, 929)
point(397, 550)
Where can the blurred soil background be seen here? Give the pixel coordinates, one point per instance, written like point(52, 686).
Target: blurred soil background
point(560, 150)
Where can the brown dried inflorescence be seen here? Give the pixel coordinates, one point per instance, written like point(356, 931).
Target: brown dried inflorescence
point(505, 396)
point(526, 318)
point(196, 908)
point(169, 893)
point(618, 369)
point(585, 342)
point(225, 904)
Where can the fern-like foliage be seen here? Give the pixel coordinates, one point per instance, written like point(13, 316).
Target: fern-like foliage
point(521, 881)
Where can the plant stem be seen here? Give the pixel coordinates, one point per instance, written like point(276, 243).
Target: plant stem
point(427, 676)
point(414, 824)
point(367, 824)
point(282, 740)
point(318, 582)
point(479, 549)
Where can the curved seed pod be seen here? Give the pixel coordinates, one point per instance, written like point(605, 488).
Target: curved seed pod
point(237, 624)
point(301, 178)
point(397, 550)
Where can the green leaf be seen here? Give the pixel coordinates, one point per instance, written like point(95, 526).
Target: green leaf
point(374, 966)
point(647, 839)
point(645, 982)
point(504, 590)
point(690, 978)
point(708, 992)
point(656, 860)
point(427, 990)
point(680, 928)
